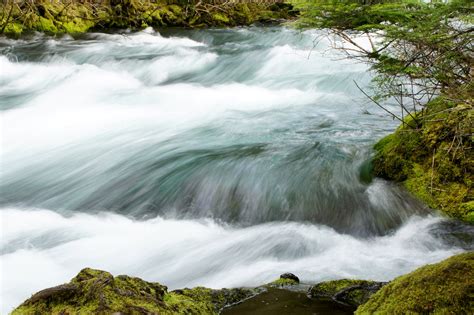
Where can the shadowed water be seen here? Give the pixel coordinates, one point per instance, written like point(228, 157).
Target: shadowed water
point(198, 157)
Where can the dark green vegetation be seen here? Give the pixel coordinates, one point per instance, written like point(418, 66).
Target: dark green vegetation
point(423, 62)
point(72, 16)
point(443, 288)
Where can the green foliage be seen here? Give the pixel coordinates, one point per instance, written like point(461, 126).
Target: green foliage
point(442, 288)
point(422, 48)
point(350, 14)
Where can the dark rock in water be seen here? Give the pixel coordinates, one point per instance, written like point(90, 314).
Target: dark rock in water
point(346, 291)
point(279, 301)
point(290, 276)
point(358, 294)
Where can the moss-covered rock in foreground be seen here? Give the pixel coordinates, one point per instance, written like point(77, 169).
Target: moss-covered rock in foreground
point(432, 156)
point(443, 288)
point(95, 291)
point(346, 291)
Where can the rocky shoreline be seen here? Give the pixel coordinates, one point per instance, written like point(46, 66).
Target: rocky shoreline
point(445, 288)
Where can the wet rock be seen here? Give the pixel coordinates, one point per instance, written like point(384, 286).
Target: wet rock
point(281, 301)
point(346, 291)
point(358, 294)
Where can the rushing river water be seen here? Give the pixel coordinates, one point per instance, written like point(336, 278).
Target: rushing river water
point(215, 157)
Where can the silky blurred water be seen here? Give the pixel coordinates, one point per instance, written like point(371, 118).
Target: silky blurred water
point(197, 157)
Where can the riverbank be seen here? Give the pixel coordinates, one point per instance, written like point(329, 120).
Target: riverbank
point(444, 287)
point(431, 155)
point(73, 17)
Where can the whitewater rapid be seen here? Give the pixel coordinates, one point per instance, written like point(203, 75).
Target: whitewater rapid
point(220, 158)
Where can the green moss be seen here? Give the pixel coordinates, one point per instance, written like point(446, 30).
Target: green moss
point(55, 17)
point(206, 301)
point(14, 29)
point(330, 288)
point(220, 18)
point(442, 288)
point(346, 291)
point(76, 26)
point(95, 291)
point(191, 301)
point(433, 161)
point(283, 282)
point(46, 25)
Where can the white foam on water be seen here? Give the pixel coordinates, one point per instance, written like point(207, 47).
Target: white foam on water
point(82, 101)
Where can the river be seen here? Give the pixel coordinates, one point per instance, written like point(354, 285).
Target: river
point(219, 158)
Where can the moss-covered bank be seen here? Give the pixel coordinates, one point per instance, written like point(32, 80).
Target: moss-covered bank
point(431, 154)
point(56, 17)
point(443, 288)
point(98, 292)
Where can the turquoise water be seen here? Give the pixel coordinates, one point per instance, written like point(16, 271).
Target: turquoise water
point(209, 157)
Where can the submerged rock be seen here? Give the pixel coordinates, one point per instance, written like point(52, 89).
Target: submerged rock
point(95, 291)
point(443, 288)
point(346, 291)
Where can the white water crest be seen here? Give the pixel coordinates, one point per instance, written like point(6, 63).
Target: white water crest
point(219, 157)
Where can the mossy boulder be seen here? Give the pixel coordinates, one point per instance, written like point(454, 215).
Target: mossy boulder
point(98, 292)
point(285, 280)
point(431, 155)
point(346, 291)
point(202, 300)
point(443, 288)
